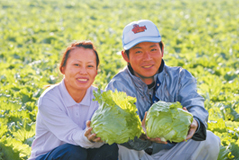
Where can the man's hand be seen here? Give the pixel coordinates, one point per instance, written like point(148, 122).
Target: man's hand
point(193, 127)
point(143, 122)
point(91, 137)
point(145, 137)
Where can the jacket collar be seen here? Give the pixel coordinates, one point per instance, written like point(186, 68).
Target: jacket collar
point(138, 82)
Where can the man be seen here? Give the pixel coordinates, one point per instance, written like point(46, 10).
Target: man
point(149, 79)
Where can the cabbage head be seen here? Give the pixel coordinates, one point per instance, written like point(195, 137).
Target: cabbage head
point(116, 120)
point(168, 121)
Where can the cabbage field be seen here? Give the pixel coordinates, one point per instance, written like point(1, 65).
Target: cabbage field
point(202, 36)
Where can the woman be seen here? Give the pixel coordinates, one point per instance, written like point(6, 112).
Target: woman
point(62, 127)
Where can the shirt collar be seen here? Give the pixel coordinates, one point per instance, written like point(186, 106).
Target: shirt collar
point(160, 72)
point(86, 101)
point(69, 101)
point(160, 75)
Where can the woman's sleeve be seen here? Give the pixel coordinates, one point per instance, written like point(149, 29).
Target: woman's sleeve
point(63, 127)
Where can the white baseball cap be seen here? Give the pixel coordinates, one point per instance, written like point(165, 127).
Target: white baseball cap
point(140, 31)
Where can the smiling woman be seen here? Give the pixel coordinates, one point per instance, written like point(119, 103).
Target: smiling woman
point(63, 121)
point(80, 68)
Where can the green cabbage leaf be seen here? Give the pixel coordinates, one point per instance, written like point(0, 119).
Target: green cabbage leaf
point(168, 121)
point(116, 120)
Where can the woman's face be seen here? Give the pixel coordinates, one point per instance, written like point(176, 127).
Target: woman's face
point(80, 69)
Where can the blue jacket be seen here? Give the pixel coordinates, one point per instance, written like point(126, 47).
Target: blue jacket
point(175, 84)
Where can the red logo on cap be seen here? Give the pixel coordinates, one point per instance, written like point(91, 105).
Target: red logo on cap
point(138, 29)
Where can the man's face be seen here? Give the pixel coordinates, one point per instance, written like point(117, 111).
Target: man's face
point(145, 59)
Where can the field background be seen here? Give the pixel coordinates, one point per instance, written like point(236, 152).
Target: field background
point(202, 36)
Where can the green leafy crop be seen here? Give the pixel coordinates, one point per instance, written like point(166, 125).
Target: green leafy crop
point(116, 120)
point(201, 36)
point(168, 121)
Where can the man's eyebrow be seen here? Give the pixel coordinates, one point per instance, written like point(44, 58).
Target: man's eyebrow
point(136, 47)
point(154, 45)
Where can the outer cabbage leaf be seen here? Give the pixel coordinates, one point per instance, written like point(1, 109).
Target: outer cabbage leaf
point(168, 121)
point(116, 120)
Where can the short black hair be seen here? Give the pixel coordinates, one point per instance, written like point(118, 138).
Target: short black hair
point(161, 45)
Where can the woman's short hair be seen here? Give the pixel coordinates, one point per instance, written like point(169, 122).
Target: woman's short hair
point(84, 44)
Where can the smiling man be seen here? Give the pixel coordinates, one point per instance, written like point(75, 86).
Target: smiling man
point(149, 79)
point(145, 59)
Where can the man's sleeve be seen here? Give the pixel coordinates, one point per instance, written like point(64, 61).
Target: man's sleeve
point(194, 103)
point(137, 144)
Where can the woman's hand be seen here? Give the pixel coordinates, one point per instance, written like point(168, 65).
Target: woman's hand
point(91, 136)
point(145, 137)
